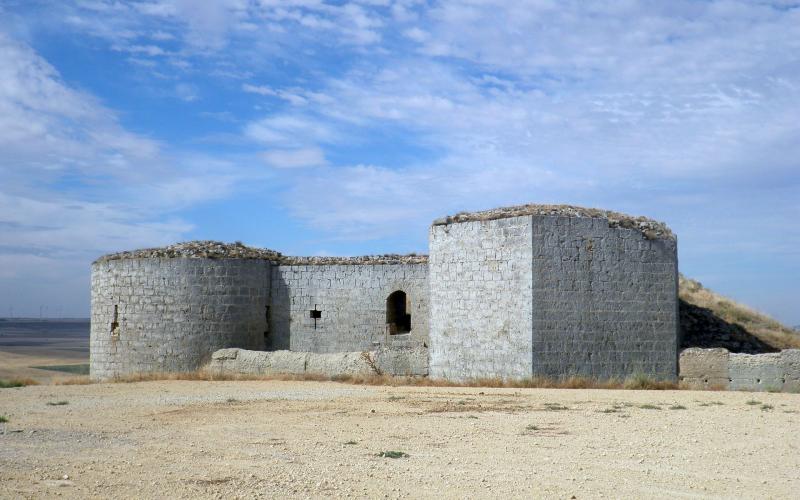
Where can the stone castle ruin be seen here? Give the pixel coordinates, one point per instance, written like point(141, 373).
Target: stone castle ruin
point(534, 290)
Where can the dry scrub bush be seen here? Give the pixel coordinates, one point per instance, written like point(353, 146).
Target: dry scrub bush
point(79, 380)
point(639, 382)
point(17, 382)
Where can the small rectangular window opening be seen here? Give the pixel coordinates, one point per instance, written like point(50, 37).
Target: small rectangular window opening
point(315, 315)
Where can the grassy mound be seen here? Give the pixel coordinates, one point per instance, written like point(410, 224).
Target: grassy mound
point(712, 320)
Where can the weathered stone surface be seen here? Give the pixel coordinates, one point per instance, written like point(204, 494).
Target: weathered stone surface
point(790, 363)
point(755, 372)
point(168, 315)
point(480, 299)
point(401, 362)
point(351, 301)
point(553, 296)
point(704, 368)
point(604, 300)
point(338, 363)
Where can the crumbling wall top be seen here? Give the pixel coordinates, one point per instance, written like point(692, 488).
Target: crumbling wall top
point(218, 250)
point(204, 249)
point(650, 228)
point(353, 261)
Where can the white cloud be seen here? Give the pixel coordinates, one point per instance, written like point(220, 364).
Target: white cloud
point(148, 50)
point(259, 89)
point(293, 96)
point(74, 183)
point(186, 92)
point(295, 158)
point(289, 131)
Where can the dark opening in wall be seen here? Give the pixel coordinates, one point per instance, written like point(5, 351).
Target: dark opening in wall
point(315, 315)
point(115, 321)
point(266, 317)
point(397, 319)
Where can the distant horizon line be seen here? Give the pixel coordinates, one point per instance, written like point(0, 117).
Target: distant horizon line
point(33, 318)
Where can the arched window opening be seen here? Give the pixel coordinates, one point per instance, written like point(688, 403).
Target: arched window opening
point(397, 318)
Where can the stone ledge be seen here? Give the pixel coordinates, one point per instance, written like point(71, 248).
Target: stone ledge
point(400, 362)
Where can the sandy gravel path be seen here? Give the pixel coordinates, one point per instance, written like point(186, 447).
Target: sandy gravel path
point(180, 439)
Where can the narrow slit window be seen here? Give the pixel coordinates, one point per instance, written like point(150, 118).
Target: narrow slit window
point(266, 318)
point(115, 321)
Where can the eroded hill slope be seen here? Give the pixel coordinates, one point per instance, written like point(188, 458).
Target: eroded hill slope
point(709, 319)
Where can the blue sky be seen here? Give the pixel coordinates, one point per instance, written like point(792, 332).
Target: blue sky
point(344, 127)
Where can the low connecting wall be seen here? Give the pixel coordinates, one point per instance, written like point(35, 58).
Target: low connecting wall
point(399, 362)
point(720, 369)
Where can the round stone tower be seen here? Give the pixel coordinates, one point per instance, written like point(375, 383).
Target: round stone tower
point(168, 309)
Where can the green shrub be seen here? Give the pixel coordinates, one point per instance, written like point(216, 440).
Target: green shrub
point(393, 454)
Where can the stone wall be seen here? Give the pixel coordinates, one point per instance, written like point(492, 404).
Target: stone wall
point(553, 296)
point(170, 314)
point(720, 369)
point(605, 300)
point(400, 362)
point(351, 300)
point(480, 286)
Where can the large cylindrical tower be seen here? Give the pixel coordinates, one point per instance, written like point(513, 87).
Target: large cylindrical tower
point(167, 310)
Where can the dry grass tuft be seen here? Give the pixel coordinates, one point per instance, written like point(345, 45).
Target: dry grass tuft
point(80, 380)
point(17, 382)
point(574, 382)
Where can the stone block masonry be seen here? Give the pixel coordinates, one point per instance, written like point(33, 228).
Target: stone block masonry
point(170, 314)
point(350, 302)
point(480, 293)
point(553, 296)
point(516, 292)
point(604, 300)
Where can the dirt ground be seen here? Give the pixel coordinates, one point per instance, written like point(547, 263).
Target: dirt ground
point(18, 363)
point(25, 343)
point(187, 439)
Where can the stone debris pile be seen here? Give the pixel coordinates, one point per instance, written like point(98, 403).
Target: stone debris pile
point(352, 261)
point(218, 250)
point(197, 250)
point(650, 228)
